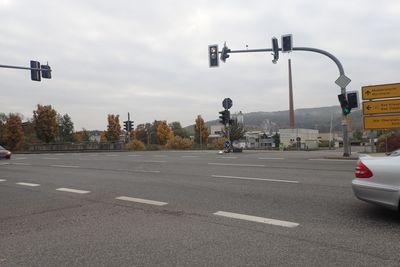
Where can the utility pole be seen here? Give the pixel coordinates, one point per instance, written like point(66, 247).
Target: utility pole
point(291, 109)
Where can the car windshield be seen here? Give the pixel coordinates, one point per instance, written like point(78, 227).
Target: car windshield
point(2, 148)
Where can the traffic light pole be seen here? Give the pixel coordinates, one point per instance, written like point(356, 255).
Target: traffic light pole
point(22, 68)
point(346, 145)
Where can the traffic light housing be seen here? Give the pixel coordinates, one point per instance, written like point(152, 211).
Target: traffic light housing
point(224, 117)
point(352, 99)
point(287, 43)
point(224, 53)
point(35, 74)
point(213, 56)
point(275, 50)
point(344, 104)
point(46, 71)
point(128, 126)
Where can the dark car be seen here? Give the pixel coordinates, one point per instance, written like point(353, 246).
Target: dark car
point(4, 153)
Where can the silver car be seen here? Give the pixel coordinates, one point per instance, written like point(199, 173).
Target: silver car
point(378, 180)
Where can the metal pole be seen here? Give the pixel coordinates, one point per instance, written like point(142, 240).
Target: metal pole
point(22, 68)
point(129, 129)
point(291, 108)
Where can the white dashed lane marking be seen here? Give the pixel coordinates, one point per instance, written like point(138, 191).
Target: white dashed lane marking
point(65, 166)
point(28, 184)
point(70, 190)
point(143, 201)
point(256, 219)
point(256, 179)
point(239, 165)
point(3, 180)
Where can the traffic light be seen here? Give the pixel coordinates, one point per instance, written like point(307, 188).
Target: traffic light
point(344, 104)
point(224, 53)
point(222, 117)
point(287, 43)
point(35, 74)
point(227, 116)
point(352, 99)
point(213, 56)
point(275, 50)
point(128, 126)
point(46, 71)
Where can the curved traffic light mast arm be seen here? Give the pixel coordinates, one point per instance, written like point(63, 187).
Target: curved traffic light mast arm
point(346, 147)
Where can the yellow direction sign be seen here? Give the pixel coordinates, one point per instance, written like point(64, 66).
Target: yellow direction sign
point(381, 122)
point(381, 91)
point(381, 106)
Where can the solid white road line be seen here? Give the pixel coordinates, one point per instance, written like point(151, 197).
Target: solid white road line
point(272, 158)
point(50, 158)
point(65, 166)
point(19, 158)
point(190, 156)
point(256, 179)
point(3, 180)
point(5, 163)
point(256, 219)
point(143, 201)
point(239, 165)
point(70, 190)
point(135, 155)
point(28, 184)
point(226, 157)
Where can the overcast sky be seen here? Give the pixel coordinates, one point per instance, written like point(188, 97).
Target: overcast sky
point(150, 58)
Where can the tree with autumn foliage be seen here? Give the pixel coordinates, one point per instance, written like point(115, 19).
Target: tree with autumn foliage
point(45, 121)
point(201, 131)
point(164, 133)
point(14, 134)
point(3, 119)
point(113, 128)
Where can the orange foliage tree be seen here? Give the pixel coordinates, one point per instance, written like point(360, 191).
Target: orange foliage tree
point(113, 128)
point(14, 134)
point(45, 120)
point(164, 133)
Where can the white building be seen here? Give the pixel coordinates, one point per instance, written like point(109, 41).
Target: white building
point(300, 138)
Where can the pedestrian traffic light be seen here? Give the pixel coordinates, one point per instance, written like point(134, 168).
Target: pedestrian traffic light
point(344, 104)
point(287, 43)
point(46, 71)
point(35, 73)
point(275, 50)
point(213, 56)
point(224, 53)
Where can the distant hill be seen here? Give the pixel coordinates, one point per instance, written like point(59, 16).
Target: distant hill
point(308, 118)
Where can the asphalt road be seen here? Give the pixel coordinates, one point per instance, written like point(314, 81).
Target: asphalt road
point(189, 209)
